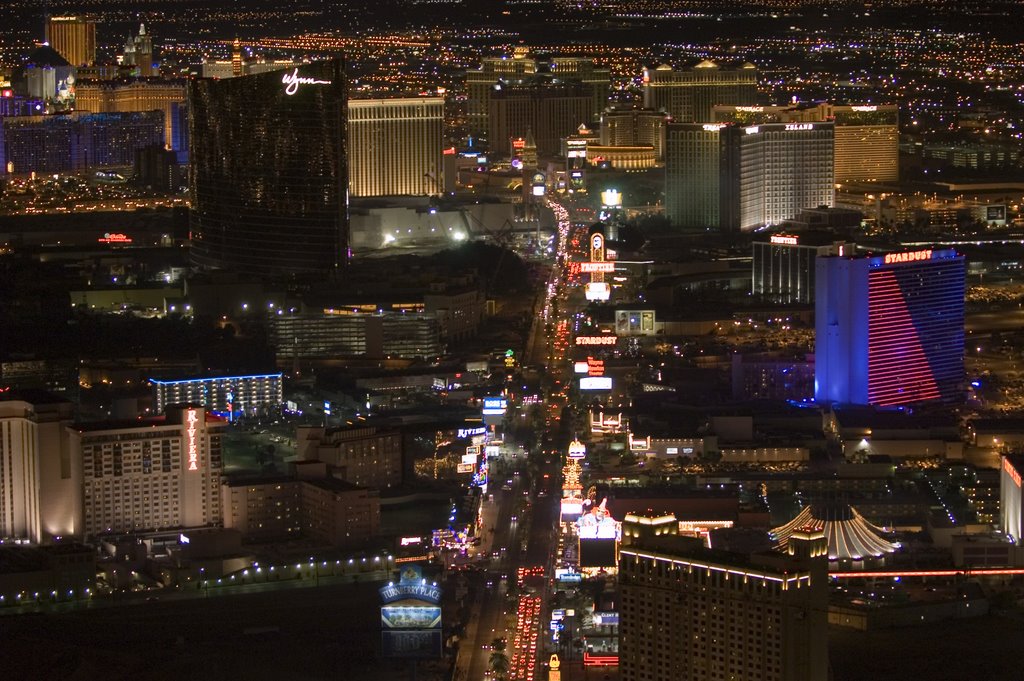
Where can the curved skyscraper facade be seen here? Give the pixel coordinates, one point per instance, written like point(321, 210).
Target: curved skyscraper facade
point(269, 177)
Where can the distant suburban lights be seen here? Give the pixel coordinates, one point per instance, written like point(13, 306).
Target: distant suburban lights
point(596, 340)
point(1008, 467)
point(787, 240)
point(192, 418)
point(293, 80)
point(911, 256)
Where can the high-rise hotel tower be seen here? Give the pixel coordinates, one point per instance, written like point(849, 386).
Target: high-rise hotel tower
point(269, 173)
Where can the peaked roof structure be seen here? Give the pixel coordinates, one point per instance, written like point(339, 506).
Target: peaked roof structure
point(850, 536)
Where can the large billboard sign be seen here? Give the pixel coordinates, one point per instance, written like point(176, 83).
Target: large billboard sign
point(411, 616)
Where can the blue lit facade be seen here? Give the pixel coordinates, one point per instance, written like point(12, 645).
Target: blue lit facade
point(230, 396)
point(890, 328)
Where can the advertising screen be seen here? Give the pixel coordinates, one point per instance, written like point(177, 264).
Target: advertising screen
point(412, 643)
point(597, 553)
point(596, 383)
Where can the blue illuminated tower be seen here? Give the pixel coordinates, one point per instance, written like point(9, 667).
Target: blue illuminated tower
point(890, 329)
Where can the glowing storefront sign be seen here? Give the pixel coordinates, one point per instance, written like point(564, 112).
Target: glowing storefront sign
point(591, 267)
point(1008, 467)
point(114, 238)
point(596, 383)
point(596, 340)
point(293, 80)
point(598, 290)
point(192, 418)
point(785, 240)
point(910, 256)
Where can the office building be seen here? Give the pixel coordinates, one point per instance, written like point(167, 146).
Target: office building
point(268, 180)
point(323, 509)
point(342, 334)
point(783, 265)
point(542, 107)
point(160, 474)
point(689, 96)
point(689, 613)
point(363, 456)
point(227, 395)
point(40, 484)
point(866, 135)
point(138, 54)
point(497, 73)
point(395, 146)
point(890, 328)
point(720, 176)
point(73, 37)
point(77, 141)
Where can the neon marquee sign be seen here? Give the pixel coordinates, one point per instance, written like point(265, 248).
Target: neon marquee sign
point(114, 238)
point(192, 418)
point(910, 256)
point(591, 267)
point(293, 80)
point(786, 240)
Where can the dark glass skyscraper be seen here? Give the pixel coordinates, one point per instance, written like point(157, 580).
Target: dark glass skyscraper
point(269, 177)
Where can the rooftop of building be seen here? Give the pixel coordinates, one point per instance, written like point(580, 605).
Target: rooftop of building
point(31, 395)
point(856, 416)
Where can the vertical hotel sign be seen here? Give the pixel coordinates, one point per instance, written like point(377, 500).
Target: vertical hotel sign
point(191, 419)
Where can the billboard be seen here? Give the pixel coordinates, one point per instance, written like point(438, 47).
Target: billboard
point(596, 383)
point(596, 522)
point(410, 616)
point(598, 290)
point(495, 406)
point(597, 553)
point(411, 644)
point(465, 468)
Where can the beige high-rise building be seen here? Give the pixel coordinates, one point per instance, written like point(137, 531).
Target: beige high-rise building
point(689, 96)
point(150, 475)
point(688, 613)
point(39, 482)
point(544, 108)
point(74, 38)
point(497, 73)
point(633, 127)
point(866, 135)
point(395, 146)
point(151, 94)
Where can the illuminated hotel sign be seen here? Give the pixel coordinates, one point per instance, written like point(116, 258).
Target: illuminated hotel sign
point(590, 267)
point(1011, 471)
point(863, 108)
point(749, 109)
point(799, 126)
point(785, 240)
point(713, 127)
point(470, 432)
point(595, 367)
point(293, 80)
point(910, 256)
point(596, 340)
point(114, 238)
point(191, 418)
point(577, 450)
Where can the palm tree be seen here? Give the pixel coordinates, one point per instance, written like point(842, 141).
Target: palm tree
point(499, 663)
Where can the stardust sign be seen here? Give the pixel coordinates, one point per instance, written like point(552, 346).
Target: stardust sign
point(596, 340)
point(910, 256)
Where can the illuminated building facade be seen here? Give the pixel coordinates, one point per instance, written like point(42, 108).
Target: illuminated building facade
point(722, 177)
point(634, 127)
point(395, 146)
point(235, 395)
point(138, 53)
point(495, 73)
point(74, 38)
point(890, 328)
point(330, 336)
point(77, 141)
point(783, 266)
point(866, 135)
point(40, 488)
point(367, 457)
point(1011, 510)
point(269, 178)
point(155, 475)
point(130, 95)
point(688, 613)
point(689, 96)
